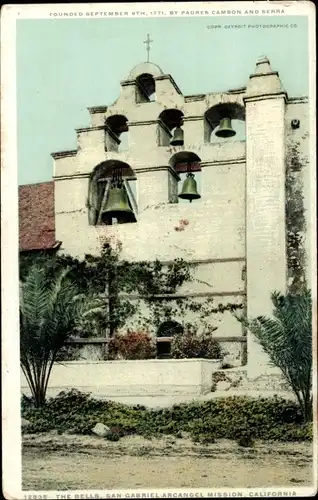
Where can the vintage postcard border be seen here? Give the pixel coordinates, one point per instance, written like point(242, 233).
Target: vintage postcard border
point(9, 285)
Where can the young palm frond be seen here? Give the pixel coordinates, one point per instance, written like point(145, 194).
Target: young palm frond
point(287, 339)
point(49, 314)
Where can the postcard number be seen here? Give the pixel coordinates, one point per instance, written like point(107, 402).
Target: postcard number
point(35, 497)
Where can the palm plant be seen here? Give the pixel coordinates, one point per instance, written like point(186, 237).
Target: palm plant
point(287, 339)
point(50, 312)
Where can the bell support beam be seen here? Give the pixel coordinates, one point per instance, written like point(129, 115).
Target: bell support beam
point(99, 219)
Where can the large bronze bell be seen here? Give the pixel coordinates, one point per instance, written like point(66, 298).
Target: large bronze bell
point(189, 189)
point(177, 139)
point(117, 206)
point(225, 129)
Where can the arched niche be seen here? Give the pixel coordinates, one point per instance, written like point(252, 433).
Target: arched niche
point(169, 119)
point(99, 188)
point(170, 329)
point(185, 162)
point(167, 329)
point(116, 133)
point(213, 116)
point(145, 88)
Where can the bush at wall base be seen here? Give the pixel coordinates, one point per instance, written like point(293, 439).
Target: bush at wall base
point(132, 345)
point(193, 345)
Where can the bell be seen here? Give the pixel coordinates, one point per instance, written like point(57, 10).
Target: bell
point(177, 139)
point(189, 189)
point(225, 128)
point(117, 206)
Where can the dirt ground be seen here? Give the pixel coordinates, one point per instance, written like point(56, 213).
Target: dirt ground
point(69, 462)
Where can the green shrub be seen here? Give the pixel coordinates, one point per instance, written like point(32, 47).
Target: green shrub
point(178, 434)
point(208, 438)
point(245, 440)
point(132, 345)
point(117, 430)
point(112, 436)
point(193, 345)
point(243, 433)
point(291, 432)
point(27, 402)
point(234, 418)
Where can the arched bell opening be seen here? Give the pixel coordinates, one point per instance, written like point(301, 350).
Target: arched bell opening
point(237, 125)
point(225, 121)
point(112, 194)
point(116, 133)
point(145, 88)
point(170, 128)
point(188, 165)
point(166, 330)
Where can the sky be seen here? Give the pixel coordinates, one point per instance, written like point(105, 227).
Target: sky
point(65, 66)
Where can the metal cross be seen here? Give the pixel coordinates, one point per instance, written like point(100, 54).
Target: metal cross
point(148, 42)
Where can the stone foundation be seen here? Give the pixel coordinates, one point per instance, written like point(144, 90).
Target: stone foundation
point(237, 379)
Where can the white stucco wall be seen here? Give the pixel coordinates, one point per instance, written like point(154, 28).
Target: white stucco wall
point(239, 220)
point(127, 378)
point(215, 229)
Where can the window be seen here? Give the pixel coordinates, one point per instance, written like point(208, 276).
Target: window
point(166, 330)
point(116, 133)
point(146, 88)
point(171, 120)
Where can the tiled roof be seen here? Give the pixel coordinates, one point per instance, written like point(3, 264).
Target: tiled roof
point(37, 217)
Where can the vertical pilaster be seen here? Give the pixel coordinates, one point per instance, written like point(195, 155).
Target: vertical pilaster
point(265, 201)
point(194, 130)
point(156, 186)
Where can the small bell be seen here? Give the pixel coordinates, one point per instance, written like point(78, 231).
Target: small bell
point(117, 206)
point(177, 139)
point(225, 129)
point(189, 189)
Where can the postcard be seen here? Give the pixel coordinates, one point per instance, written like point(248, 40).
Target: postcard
point(158, 250)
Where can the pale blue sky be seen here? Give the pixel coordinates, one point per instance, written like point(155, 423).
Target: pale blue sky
point(67, 65)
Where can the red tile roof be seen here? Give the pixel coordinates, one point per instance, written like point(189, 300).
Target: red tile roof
point(36, 217)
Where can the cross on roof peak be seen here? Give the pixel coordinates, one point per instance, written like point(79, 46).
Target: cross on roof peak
point(148, 41)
